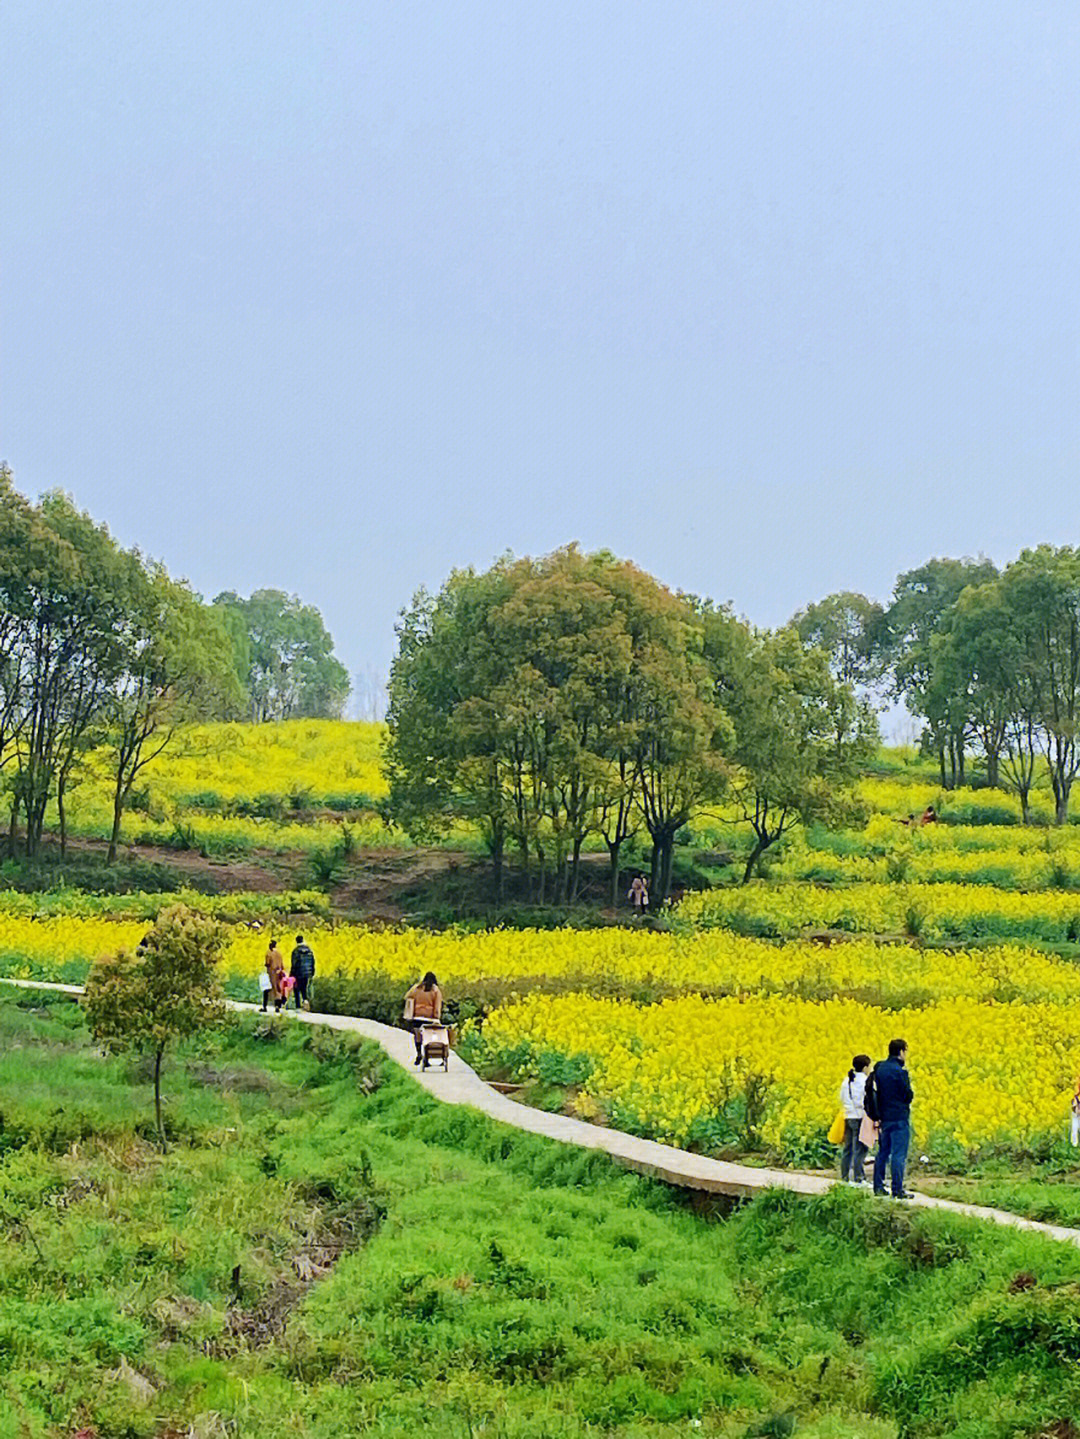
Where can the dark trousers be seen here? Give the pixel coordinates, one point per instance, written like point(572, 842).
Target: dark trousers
point(893, 1141)
point(853, 1154)
point(301, 990)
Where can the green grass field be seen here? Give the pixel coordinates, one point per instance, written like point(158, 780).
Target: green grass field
point(325, 1251)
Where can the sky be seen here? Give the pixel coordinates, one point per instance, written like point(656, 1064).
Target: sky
point(773, 299)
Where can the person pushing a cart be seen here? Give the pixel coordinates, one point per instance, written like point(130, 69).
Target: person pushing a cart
point(423, 1007)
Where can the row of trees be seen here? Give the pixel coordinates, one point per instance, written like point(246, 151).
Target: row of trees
point(101, 654)
point(988, 659)
point(552, 700)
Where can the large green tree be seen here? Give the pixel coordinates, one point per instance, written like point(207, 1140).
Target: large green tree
point(551, 699)
point(847, 627)
point(922, 599)
point(800, 733)
point(1042, 591)
point(176, 667)
point(16, 525)
point(980, 653)
point(100, 653)
point(285, 656)
point(72, 616)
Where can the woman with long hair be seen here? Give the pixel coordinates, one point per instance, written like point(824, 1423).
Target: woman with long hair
point(423, 1005)
point(275, 973)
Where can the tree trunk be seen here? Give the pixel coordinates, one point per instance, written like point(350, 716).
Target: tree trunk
point(1061, 805)
point(613, 852)
point(496, 864)
point(668, 858)
point(61, 814)
point(118, 814)
point(13, 828)
point(654, 868)
point(1025, 806)
point(992, 768)
point(575, 870)
point(157, 1093)
point(941, 766)
point(35, 817)
point(755, 854)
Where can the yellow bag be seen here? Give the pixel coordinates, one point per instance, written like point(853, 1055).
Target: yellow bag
point(839, 1128)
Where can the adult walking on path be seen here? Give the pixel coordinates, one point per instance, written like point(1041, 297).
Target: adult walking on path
point(892, 1105)
point(275, 973)
point(423, 1006)
point(302, 969)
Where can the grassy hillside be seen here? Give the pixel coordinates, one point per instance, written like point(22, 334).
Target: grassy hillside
point(325, 1251)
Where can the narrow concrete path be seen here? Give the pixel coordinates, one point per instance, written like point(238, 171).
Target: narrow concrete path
point(462, 1085)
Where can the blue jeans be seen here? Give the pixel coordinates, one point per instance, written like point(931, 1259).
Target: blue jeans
point(893, 1141)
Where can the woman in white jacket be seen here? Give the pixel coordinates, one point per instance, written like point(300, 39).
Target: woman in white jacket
point(853, 1154)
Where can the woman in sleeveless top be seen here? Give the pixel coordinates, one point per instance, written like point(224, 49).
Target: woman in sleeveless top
point(423, 1002)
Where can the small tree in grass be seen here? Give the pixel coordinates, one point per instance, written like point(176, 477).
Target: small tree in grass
point(168, 989)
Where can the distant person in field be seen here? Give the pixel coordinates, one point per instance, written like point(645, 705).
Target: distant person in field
point(887, 1100)
point(302, 970)
point(638, 894)
point(929, 815)
point(1074, 1116)
point(854, 1151)
point(423, 1003)
point(275, 975)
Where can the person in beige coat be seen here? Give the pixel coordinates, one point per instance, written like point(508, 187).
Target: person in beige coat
point(275, 968)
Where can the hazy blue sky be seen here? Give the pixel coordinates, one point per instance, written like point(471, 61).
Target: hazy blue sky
point(775, 299)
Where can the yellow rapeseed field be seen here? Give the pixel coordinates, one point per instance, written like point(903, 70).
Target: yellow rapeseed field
point(323, 757)
point(939, 911)
point(715, 962)
point(984, 1073)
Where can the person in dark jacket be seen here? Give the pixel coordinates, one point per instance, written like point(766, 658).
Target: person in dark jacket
point(893, 1092)
point(302, 969)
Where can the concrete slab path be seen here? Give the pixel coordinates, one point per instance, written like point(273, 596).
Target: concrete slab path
point(462, 1085)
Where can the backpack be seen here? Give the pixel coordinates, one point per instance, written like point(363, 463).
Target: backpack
point(870, 1097)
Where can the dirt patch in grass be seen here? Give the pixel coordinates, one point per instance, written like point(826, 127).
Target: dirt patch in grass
point(331, 1235)
point(241, 1079)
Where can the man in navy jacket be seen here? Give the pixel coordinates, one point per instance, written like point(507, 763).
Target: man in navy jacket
point(894, 1097)
point(302, 969)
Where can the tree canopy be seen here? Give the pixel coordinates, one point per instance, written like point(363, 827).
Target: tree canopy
point(104, 657)
point(574, 695)
point(284, 657)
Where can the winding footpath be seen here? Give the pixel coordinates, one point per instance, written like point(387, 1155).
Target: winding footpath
point(462, 1085)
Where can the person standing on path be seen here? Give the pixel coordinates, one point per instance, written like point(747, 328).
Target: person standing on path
point(854, 1151)
point(275, 973)
point(893, 1094)
point(638, 894)
point(302, 969)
